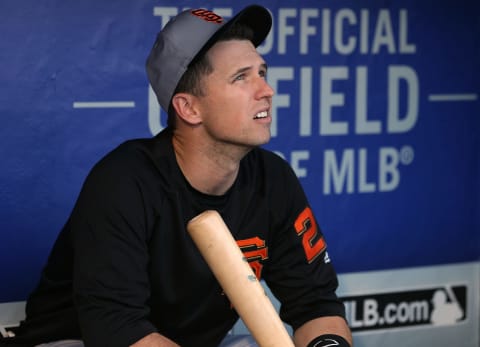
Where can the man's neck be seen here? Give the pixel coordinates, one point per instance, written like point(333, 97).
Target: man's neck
point(209, 169)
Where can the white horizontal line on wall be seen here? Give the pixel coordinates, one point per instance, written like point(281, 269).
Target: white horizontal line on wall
point(452, 97)
point(103, 104)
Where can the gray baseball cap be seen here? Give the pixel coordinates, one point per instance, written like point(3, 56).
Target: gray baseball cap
point(189, 33)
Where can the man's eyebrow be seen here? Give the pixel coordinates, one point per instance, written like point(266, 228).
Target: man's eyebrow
point(247, 68)
point(242, 70)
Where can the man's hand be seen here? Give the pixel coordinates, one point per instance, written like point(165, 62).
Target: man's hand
point(155, 340)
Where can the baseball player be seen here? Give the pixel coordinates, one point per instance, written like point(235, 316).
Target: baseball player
point(125, 272)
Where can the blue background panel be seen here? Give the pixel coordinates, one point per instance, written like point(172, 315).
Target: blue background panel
point(385, 199)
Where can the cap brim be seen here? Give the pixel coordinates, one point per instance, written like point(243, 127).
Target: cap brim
point(254, 16)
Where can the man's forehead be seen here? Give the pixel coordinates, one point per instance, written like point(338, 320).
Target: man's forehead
point(234, 53)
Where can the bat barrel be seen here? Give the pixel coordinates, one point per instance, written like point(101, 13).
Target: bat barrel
point(227, 262)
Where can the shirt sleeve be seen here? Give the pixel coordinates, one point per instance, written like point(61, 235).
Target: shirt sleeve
point(109, 232)
point(301, 274)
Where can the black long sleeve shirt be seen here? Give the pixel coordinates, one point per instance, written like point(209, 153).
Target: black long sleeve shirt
point(124, 265)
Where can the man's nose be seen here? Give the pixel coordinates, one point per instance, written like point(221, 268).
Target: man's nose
point(264, 89)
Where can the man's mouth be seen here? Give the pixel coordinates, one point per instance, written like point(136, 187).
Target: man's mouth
point(260, 115)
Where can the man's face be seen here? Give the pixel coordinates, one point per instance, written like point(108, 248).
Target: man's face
point(236, 101)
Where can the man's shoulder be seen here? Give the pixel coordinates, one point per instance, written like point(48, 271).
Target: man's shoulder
point(137, 152)
point(268, 167)
point(124, 155)
point(269, 160)
point(267, 155)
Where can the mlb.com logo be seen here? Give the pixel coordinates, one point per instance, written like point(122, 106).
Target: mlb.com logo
point(445, 305)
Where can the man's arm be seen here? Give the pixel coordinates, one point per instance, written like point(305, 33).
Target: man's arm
point(154, 340)
point(320, 326)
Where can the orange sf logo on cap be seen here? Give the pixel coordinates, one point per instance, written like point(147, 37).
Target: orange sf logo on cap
point(207, 15)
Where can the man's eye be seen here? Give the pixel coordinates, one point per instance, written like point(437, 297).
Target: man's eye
point(239, 77)
point(263, 73)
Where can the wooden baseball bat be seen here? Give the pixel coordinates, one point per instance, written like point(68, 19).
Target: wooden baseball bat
point(227, 262)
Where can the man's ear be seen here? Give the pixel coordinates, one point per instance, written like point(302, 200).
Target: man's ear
point(185, 107)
